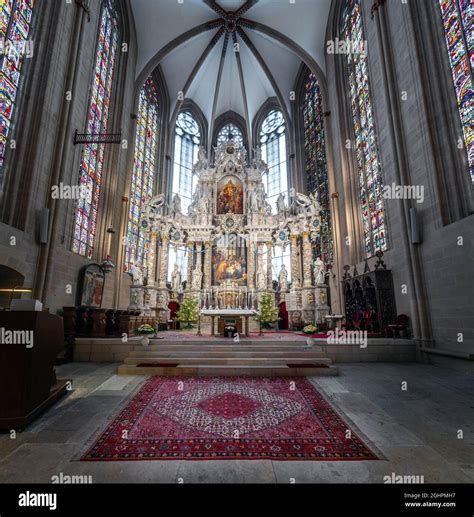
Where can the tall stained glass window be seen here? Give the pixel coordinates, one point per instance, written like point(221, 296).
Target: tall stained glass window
point(143, 173)
point(458, 21)
point(315, 162)
point(230, 132)
point(15, 22)
point(368, 163)
point(273, 144)
point(186, 147)
point(92, 156)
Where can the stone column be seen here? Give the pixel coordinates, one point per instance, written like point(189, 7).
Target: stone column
point(189, 264)
point(151, 260)
point(307, 260)
point(269, 265)
point(295, 270)
point(251, 265)
point(165, 240)
point(207, 265)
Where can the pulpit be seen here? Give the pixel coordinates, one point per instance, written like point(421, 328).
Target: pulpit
point(28, 384)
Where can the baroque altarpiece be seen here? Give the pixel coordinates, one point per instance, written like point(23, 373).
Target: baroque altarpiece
point(230, 234)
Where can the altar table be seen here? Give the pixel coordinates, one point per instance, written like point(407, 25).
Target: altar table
point(240, 313)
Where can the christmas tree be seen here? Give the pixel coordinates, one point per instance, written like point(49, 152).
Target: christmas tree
point(267, 313)
point(188, 312)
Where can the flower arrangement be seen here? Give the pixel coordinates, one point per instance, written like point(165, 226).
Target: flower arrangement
point(310, 329)
point(145, 329)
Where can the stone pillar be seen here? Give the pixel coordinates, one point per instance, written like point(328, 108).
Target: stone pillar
point(164, 261)
point(189, 264)
point(251, 265)
point(207, 265)
point(295, 269)
point(151, 260)
point(307, 260)
point(269, 265)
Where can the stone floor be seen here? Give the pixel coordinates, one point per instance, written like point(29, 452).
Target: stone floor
point(416, 430)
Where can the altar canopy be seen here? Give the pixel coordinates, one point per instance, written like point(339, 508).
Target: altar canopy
point(230, 234)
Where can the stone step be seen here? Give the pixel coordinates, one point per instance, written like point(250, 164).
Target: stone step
point(206, 370)
point(226, 353)
point(230, 361)
point(221, 348)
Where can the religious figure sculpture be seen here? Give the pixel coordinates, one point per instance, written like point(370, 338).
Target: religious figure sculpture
point(136, 273)
point(281, 207)
point(176, 282)
point(261, 279)
point(258, 163)
point(283, 278)
point(197, 279)
point(319, 273)
point(176, 205)
point(202, 162)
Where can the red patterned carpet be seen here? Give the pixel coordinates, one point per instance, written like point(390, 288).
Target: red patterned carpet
point(228, 418)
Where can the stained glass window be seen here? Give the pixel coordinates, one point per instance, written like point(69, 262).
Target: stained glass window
point(315, 162)
point(15, 23)
point(368, 163)
point(458, 21)
point(143, 173)
point(273, 144)
point(230, 132)
point(186, 147)
point(92, 156)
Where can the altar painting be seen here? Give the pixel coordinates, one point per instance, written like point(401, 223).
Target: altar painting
point(230, 196)
point(229, 262)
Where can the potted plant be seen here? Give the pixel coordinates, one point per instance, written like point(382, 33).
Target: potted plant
point(145, 330)
point(188, 312)
point(267, 313)
point(310, 330)
point(229, 331)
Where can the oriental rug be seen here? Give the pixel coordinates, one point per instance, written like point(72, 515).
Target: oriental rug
point(228, 418)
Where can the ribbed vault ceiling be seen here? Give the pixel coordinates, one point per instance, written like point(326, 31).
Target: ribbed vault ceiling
point(208, 70)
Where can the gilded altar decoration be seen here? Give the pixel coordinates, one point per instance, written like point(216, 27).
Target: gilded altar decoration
point(231, 235)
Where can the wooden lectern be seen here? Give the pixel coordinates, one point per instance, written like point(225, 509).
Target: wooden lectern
point(28, 384)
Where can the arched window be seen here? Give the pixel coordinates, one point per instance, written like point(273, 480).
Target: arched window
point(367, 157)
point(230, 132)
point(143, 174)
point(92, 157)
point(458, 22)
point(272, 139)
point(186, 146)
point(316, 168)
point(15, 23)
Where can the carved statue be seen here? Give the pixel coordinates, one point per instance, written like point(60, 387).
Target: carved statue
point(283, 278)
point(253, 202)
point(258, 163)
point(202, 162)
point(197, 279)
point(176, 282)
point(261, 279)
point(319, 273)
point(136, 273)
point(281, 207)
point(176, 205)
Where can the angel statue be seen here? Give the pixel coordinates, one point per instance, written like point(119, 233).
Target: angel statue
point(281, 207)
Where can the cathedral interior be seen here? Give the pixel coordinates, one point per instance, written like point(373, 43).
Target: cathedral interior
point(202, 201)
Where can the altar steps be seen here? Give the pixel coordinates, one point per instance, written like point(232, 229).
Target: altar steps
point(227, 359)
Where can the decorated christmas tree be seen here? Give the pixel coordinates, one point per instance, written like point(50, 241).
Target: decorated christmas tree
point(188, 312)
point(267, 313)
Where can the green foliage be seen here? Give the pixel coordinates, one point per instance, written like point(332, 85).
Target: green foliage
point(267, 313)
point(188, 312)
